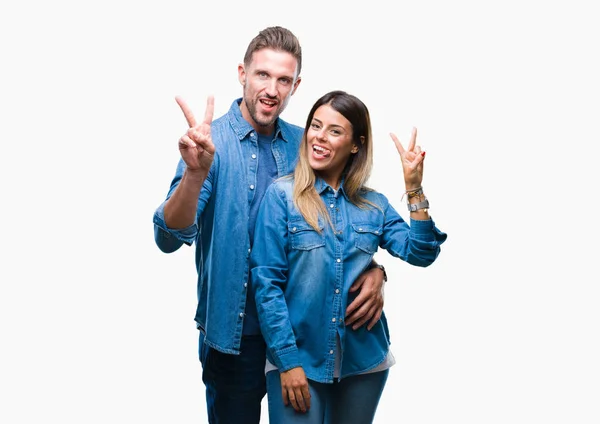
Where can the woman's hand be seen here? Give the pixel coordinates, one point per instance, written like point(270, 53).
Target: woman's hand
point(294, 389)
point(412, 161)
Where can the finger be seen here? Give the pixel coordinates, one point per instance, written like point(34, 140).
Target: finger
point(361, 304)
point(413, 140)
point(366, 317)
point(358, 283)
point(375, 318)
point(293, 401)
point(417, 160)
point(356, 303)
point(210, 110)
point(185, 142)
point(397, 143)
point(193, 134)
point(300, 400)
point(284, 395)
point(306, 396)
point(187, 112)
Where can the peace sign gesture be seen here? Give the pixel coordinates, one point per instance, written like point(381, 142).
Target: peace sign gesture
point(412, 161)
point(196, 146)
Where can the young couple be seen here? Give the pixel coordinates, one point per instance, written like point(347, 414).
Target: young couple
point(285, 232)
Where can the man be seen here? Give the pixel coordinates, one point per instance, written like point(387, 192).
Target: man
point(225, 168)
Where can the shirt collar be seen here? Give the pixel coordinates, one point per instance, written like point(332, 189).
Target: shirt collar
point(321, 186)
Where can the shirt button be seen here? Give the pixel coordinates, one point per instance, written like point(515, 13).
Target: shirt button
point(253, 156)
point(245, 285)
point(338, 260)
point(332, 319)
point(331, 205)
point(251, 186)
point(337, 291)
point(331, 352)
point(249, 250)
point(241, 315)
point(360, 229)
point(294, 230)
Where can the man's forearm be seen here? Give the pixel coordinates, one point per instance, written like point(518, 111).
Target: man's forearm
point(180, 209)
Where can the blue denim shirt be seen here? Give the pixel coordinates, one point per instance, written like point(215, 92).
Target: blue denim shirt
point(301, 279)
point(221, 229)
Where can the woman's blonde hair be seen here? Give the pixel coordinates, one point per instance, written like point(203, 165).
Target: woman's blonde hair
point(357, 170)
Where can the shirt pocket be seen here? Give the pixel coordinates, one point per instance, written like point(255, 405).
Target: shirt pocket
point(366, 237)
point(304, 237)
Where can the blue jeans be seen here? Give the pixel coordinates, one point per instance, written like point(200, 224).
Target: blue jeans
point(235, 384)
point(352, 400)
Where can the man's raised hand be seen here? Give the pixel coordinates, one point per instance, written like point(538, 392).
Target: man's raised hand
point(196, 146)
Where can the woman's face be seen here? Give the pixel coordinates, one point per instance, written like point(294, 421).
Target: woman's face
point(329, 144)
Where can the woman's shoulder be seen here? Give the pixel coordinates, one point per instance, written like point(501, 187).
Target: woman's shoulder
point(374, 196)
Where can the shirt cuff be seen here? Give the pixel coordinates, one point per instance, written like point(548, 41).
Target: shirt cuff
point(287, 358)
point(187, 235)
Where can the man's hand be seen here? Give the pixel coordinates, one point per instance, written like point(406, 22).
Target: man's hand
point(294, 389)
point(368, 305)
point(196, 146)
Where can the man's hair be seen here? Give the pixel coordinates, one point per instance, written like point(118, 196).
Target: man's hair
point(276, 38)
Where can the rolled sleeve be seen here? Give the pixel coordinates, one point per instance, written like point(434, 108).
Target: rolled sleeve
point(426, 230)
point(418, 243)
point(168, 239)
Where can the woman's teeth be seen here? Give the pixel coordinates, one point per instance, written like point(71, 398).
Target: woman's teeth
point(320, 150)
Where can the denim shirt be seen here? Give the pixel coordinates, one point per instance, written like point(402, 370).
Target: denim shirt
point(301, 279)
point(221, 228)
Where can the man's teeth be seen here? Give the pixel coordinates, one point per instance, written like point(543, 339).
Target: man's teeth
point(268, 102)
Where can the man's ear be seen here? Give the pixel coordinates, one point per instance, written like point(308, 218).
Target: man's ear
point(242, 74)
point(296, 84)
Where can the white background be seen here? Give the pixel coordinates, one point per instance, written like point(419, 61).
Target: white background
point(97, 324)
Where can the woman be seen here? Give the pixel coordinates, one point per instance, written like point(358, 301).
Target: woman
point(316, 232)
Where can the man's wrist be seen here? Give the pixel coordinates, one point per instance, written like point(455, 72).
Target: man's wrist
point(382, 268)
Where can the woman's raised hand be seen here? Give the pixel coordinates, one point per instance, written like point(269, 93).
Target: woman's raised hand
point(412, 160)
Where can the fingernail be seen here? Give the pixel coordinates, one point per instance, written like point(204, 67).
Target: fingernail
point(423, 154)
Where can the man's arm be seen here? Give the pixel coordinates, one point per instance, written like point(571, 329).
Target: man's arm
point(368, 305)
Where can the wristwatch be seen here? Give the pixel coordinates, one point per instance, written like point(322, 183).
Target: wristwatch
point(413, 207)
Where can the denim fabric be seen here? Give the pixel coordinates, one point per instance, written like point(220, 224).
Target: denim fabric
point(302, 278)
point(266, 174)
point(235, 384)
point(221, 228)
point(352, 400)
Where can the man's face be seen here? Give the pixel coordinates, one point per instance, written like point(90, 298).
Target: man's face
point(268, 83)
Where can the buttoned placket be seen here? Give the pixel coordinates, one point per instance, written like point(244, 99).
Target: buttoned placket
point(336, 319)
point(251, 153)
point(252, 166)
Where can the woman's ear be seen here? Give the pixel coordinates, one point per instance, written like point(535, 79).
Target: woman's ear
point(362, 139)
point(354, 149)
